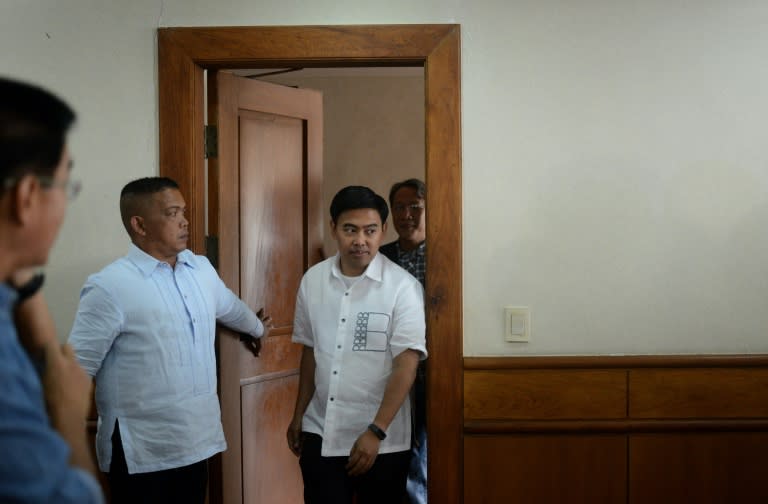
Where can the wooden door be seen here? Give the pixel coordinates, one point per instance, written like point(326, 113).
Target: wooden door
point(264, 204)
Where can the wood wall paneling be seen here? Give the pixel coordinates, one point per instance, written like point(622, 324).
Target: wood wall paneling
point(701, 468)
point(645, 429)
point(540, 394)
point(698, 393)
point(540, 469)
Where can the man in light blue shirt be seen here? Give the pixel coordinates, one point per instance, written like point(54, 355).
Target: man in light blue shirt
point(145, 331)
point(44, 393)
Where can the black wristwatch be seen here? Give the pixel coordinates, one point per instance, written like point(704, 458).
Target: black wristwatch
point(30, 288)
point(377, 431)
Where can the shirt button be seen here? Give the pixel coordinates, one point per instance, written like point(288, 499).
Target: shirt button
point(335, 372)
point(331, 398)
point(343, 320)
point(339, 346)
point(346, 293)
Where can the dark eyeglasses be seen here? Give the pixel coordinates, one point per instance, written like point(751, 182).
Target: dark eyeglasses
point(71, 187)
point(414, 208)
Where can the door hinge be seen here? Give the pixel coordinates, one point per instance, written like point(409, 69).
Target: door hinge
point(212, 250)
point(211, 141)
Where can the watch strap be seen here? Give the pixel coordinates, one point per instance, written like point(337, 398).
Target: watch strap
point(30, 288)
point(377, 431)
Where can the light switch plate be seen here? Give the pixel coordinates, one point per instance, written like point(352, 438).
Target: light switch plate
point(517, 324)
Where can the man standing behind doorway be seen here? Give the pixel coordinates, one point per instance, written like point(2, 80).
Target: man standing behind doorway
point(407, 200)
point(145, 331)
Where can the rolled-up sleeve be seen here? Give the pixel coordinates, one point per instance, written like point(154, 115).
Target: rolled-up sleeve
point(98, 322)
point(409, 326)
point(302, 326)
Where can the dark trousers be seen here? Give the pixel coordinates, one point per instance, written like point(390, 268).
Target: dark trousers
point(326, 480)
point(185, 485)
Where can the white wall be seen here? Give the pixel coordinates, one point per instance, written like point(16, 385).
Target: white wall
point(101, 57)
point(615, 169)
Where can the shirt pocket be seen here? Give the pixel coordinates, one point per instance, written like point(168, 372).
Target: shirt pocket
point(371, 332)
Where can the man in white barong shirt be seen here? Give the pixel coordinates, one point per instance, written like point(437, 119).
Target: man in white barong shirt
point(361, 320)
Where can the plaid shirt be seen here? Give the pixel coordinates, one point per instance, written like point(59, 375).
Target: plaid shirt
point(413, 261)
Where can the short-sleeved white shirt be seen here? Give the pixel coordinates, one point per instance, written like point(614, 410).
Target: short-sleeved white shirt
point(356, 332)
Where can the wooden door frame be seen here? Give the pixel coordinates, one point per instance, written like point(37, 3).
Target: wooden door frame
point(184, 54)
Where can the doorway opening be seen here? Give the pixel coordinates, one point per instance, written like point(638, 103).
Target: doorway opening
point(185, 54)
point(373, 131)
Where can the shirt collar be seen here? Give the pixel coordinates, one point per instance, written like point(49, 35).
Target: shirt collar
point(147, 264)
point(373, 271)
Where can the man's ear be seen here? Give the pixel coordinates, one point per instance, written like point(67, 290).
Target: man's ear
point(384, 228)
point(333, 226)
point(137, 225)
point(24, 197)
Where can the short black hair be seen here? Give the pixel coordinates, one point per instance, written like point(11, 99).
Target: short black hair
point(414, 183)
point(33, 129)
point(148, 185)
point(355, 197)
point(135, 193)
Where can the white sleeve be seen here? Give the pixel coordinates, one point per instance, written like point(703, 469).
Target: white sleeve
point(408, 323)
point(302, 324)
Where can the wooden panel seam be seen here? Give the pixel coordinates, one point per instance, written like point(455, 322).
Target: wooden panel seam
point(277, 375)
point(512, 427)
point(616, 361)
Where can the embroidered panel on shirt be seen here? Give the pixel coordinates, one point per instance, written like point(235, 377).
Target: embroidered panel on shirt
point(371, 332)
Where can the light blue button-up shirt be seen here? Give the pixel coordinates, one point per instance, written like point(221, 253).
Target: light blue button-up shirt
point(145, 331)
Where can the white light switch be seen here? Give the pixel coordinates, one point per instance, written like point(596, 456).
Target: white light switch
point(517, 324)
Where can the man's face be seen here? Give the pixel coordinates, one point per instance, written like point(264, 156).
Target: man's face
point(409, 215)
point(358, 234)
point(165, 226)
